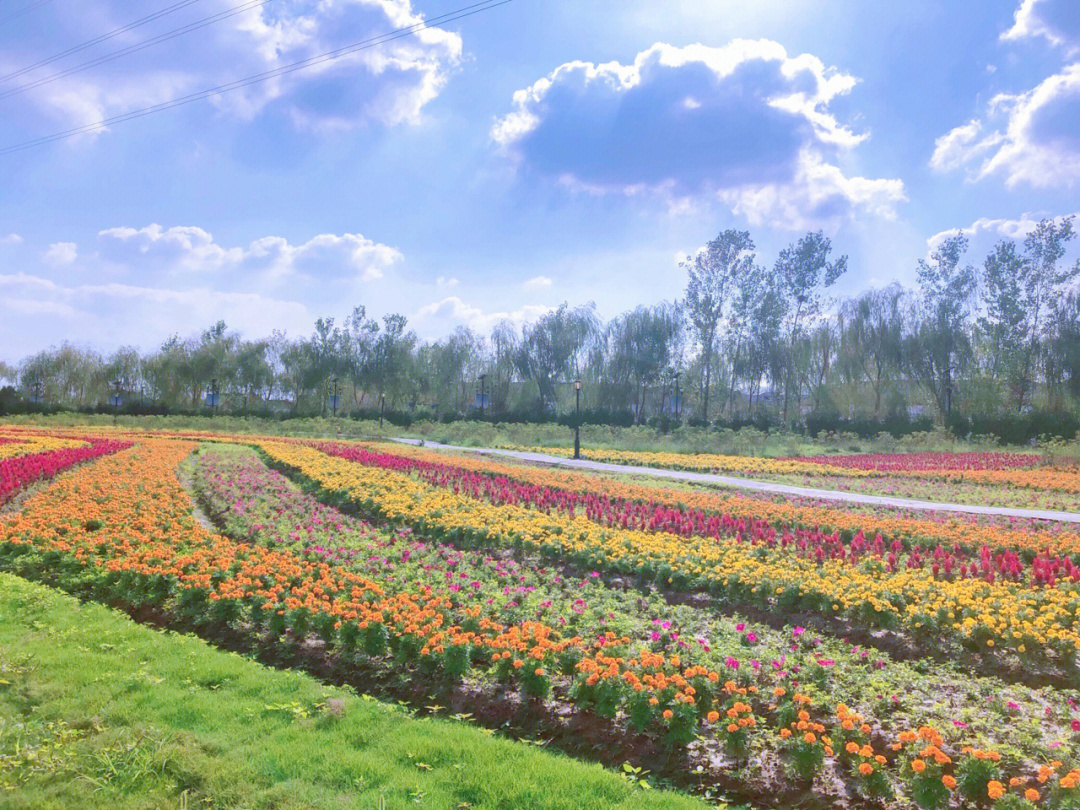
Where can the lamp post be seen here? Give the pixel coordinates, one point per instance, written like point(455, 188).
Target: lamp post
point(382, 408)
point(116, 401)
point(334, 397)
point(483, 377)
point(677, 373)
point(577, 419)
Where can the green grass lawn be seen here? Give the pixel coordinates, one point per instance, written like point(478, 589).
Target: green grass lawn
point(685, 439)
point(97, 711)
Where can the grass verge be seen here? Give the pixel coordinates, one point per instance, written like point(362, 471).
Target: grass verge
point(99, 712)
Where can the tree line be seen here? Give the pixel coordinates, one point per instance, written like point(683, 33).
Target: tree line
point(748, 341)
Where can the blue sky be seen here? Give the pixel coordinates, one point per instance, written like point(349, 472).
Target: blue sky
point(538, 152)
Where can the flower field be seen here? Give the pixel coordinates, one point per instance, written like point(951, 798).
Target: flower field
point(24, 460)
point(994, 479)
point(776, 652)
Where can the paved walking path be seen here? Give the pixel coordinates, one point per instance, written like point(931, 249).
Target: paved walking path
point(760, 486)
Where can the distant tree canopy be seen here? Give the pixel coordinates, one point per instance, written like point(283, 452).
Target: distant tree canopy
point(748, 344)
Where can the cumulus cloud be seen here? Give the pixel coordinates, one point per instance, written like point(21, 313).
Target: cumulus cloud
point(988, 230)
point(61, 253)
point(537, 283)
point(111, 313)
point(389, 83)
point(746, 123)
point(1035, 141)
point(452, 311)
point(1057, 21)
point(10, 239)
point(192, 249)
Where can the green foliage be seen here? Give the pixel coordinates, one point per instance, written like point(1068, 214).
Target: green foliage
point(101, 714)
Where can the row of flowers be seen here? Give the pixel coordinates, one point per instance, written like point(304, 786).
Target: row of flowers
point(923, 462)
point(1027, 537)
point(51, 456)
point(1036, 622)
point(122, 529)
point(1044, 478)
point(15, 444)
point(751, 707)
point(636, 507)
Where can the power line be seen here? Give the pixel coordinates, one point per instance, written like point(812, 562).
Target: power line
point(435, 22)
point(97, 40)
point(138, 46)
point(20, 12)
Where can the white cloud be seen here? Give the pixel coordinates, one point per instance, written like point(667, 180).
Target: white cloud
point(537, 283)
point(1015, 229)
point(953, 148)
point(452, 311)
point(1037, 142)
point(820, 193)
point(1057, 21)
point(442, 282)
point(192, 249)
point(110, 313)
point(10, 239)
point(389, 83)
point(745, 123)
point(61, 253)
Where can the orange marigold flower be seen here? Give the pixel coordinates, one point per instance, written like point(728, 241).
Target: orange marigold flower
point(866, 769)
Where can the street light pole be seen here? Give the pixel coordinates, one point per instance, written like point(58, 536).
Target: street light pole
point(577, 419)
point(382, 408)
point(677, 373)
point(116, 401)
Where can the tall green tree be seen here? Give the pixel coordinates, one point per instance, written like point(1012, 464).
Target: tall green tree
point(871, 336)
point(803, 270)
point(553, 349)
point(713, 272)
point(939, 346)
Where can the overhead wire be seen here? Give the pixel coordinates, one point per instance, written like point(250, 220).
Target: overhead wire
point(138, 46)
point(24, 10)
point(82, 46)
point(435, 22)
